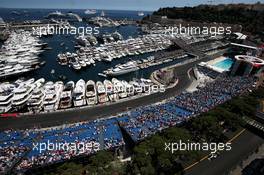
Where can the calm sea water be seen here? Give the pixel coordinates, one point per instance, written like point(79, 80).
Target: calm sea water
point(37, 14)
point(91, 72)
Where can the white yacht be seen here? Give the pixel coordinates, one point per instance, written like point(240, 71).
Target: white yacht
point(129, 88)
point(52, 95)
point(79, 93)
point(119, 88)
point(137, 88)
point(92, 39)
point(121, 69)
point(76, 65)
point(141, 14)
point(35, 102)
point(82, 62)
point(56, 13)
point(101, 92)
point(91, 93)
point(90, 12)
point(22, 94)
point(66, 95)
point(62, 58)
point(6, 94)
point(110, 91)
point(146, 84)
point(117, 36)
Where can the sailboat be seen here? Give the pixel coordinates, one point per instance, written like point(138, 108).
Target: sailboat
point(102, 13)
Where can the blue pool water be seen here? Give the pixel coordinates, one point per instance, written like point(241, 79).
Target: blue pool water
point(225, 64)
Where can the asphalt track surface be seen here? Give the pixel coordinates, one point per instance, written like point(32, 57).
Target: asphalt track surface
point(242, 146)
point(101, 111)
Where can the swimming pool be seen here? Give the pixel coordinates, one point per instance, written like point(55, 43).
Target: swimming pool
point(225, 64)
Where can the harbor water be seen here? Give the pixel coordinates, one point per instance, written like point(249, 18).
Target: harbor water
point(53, 71)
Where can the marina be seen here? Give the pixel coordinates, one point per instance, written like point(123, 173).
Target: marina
point(114, 50)
point(86, 70)
point(88, 90)
point(65, 43)
point(132, 66)
point(20, 54)
point(41, 96)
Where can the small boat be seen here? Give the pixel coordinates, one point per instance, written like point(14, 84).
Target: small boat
point(101, 74)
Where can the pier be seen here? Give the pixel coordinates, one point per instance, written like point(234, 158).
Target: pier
point(27, 25)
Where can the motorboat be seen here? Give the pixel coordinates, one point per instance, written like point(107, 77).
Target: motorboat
point(62, 58)
point(66, 95)
point(76, 65)
point(119, 88)
point(101, 93)
point(113, 97)
point(128, 88)
point(117, 36)
point(79, 93)
point(91, 93)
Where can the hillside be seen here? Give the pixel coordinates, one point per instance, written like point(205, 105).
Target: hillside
point(250, 16)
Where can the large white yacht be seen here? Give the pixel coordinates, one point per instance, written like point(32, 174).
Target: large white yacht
point(79, 93)
point(110, 91)
point(90, 11)
point(119, 88)
point(22, 94)
point(91, 93)
point(35, 102)
point(6, 94)
point(128, 88)
point(52, 95)
point(121, 69)
point(66, 95)
point(101, 92)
